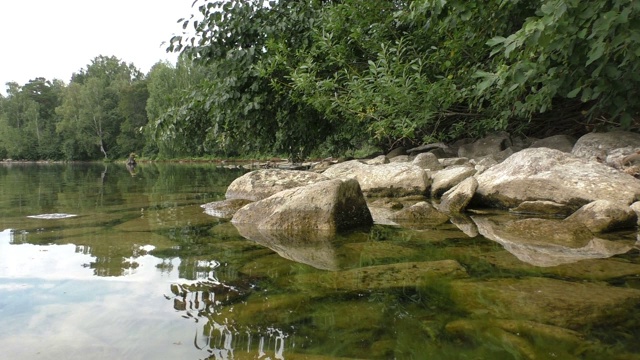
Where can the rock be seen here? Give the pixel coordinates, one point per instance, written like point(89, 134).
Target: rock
point(599, 145)
point(224, 209)
point(394, 179)
point(542, 207)
point(421, 212)
point(552, 175)
point(444, 180)
point(427, 161)
point(636, 208)
point(397, 152)
point(371, 278)
point(547, 301)
point(484, 163)
point(454, 161)
point(603, 215)
point(399, 159)
point(563, 143)
point(488, 145)
point(544, 243)
point(456, 199)
point(327, 205)
point(261, 184)
point(378, 160)
point(521, 336)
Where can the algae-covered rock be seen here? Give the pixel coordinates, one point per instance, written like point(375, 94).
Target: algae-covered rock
point(401, 275)
point(548, 301)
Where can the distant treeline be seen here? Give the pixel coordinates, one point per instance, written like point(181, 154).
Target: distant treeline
point(331, 76)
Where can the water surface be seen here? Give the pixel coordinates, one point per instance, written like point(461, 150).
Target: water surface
point(141, 272)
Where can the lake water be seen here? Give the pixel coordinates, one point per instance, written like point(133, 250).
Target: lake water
point(141, 272)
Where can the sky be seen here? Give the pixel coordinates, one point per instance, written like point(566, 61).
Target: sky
point(56, 38)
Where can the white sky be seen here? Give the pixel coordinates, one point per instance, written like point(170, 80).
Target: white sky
point(55, 38)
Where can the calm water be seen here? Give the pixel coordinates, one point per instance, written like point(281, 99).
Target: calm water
point(142, 273)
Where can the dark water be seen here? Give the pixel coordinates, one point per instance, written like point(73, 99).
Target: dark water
point(142, 273)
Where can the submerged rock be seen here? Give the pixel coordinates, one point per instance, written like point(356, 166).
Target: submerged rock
point(261, 184)
point(548, 301)
point(543, 242)
point(401, 275)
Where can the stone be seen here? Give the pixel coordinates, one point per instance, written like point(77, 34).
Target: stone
point(552, 175)
point(563, 143)
point(394, 179)
point(636, 208)
point(444, 180)
point(421, 212)
point(427, 161)
point(260, 184)
point(599, 145)
point(488, 145)
point(330, 205)
point(224, 209)
point(378, 160)
point(547, 301)
point(545, 242)
point(371, 278)
point(456, 199)
point(603, 215)
point(397, 152)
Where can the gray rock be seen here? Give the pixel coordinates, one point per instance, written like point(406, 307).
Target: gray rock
point(604, 215)
point(488, 145)
point(456, 199)
point(552, 175)
point(397, 152)
point(394, 179)
point(599, 145)
point(378, 160)
point(425, 148)
point(636, 208)
point(545, 243)
point(327, 205)
point(399, 158)
point(563, 143)
point(444, 180)
point(261, 184)
point(421, 212)
point(427, 161)
point(465, 224)
point(454, 161)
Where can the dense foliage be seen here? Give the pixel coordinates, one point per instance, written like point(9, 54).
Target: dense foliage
point(328, 76)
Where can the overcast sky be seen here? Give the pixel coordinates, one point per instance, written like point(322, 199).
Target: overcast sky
point(55, 38)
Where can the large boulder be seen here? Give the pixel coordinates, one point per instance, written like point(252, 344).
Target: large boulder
point(261, 184)
point(599, 145)
point(552, 175)
point(488, 145)
point(327, 205)
point(544, 243)
point(603, 215)
point(394, 179)
point(563, 143)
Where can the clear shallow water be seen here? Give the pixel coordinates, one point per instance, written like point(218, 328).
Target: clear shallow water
point(141, 272)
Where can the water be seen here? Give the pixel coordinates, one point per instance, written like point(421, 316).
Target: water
point(140, 272)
